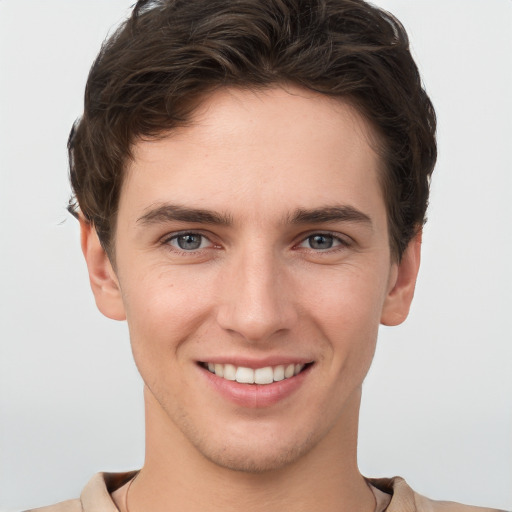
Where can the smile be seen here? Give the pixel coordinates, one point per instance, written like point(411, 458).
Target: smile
point(266, 375)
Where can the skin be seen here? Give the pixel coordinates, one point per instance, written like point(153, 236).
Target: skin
point(256, 288)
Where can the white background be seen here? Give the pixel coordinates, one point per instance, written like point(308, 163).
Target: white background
point(438, 401)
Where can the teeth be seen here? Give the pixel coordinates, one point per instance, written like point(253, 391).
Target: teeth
point(229, 372)
point(289, 371)
point(244, 375)
point(219, 370)
point(279, 373)
point(265, 375)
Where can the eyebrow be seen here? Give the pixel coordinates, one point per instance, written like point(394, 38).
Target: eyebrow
point(343, 213)
point(172, 212)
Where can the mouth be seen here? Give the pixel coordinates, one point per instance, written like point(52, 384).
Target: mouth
point(261, 376)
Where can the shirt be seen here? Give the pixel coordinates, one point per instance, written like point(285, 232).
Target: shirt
point(95, 497)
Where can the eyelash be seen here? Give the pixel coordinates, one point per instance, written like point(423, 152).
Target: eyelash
point(175, 236)
point(341, 242)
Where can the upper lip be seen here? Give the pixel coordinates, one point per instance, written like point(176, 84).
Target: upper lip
point(257, 363)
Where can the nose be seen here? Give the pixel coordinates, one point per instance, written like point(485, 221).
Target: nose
point(256, 299)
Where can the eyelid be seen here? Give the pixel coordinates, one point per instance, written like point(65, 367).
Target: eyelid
point(344, 240)
point(166, 240)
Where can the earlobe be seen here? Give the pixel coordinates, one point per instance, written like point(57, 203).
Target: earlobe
point(401, 292)
point(104, 282)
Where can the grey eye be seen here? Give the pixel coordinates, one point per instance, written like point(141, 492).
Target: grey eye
point(321, 241)
point(188, 241)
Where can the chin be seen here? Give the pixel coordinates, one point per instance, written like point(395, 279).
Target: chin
point(259, 457)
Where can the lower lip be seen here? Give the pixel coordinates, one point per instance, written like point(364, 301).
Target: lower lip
point(256, 395)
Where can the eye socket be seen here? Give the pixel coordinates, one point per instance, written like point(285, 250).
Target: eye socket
point(189, 242)
point(322, 242)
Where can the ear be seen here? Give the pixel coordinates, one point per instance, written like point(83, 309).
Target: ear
point(104, 282)
point(402, 284)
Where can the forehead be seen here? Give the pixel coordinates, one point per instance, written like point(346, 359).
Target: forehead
point(249, 150)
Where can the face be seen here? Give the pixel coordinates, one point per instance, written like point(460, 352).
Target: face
point(253, 268)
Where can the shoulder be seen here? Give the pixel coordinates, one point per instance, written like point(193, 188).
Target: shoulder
point(404, 499)
point(95, 496)
point(64, 506)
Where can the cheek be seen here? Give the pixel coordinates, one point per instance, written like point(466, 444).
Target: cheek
point(164, 307)
point(347, 298)
point(348, 312)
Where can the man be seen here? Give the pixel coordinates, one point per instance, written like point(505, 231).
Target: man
point(251, 180)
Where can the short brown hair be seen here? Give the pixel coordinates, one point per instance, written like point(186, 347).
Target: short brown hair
point(151, 73)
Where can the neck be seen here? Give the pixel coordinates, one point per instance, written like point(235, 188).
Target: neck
point(325, 479)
